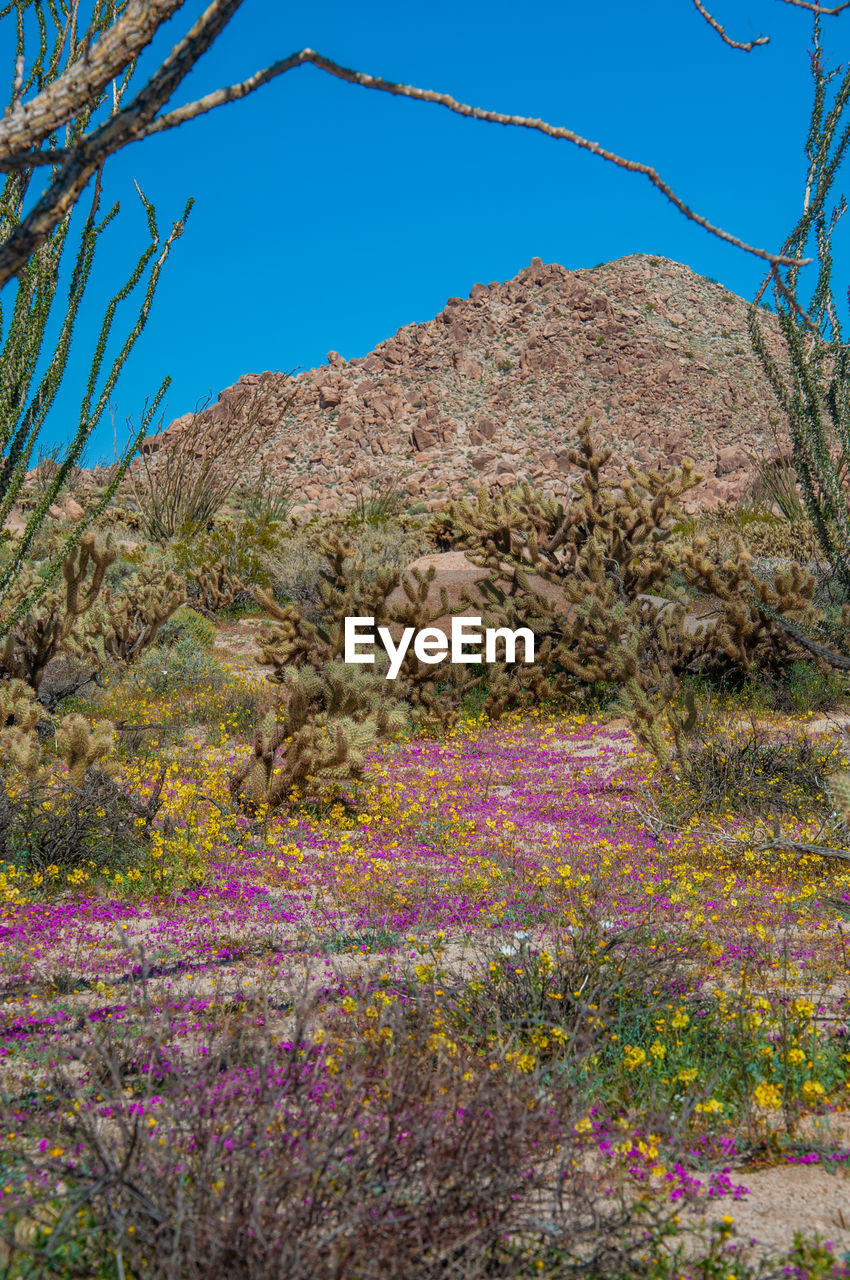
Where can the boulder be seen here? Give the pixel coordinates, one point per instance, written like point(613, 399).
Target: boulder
point(329, 397)
point(66, 509)
point(423, 439)
point(455, 573)
point(730, 458)
point(16, 522)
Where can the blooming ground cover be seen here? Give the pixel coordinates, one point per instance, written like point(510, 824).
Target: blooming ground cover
point(646, 1013)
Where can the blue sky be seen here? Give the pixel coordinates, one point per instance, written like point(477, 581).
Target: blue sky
point(328, 216)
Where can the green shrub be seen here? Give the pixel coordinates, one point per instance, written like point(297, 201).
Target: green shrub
point(244, 546)
point(804, 687)
point(182, 665)
point(799, 688)
point(122, 568)
point(187, 624)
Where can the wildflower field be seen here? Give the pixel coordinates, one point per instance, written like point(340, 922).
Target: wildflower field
point(513, 970)
point(481, 1013)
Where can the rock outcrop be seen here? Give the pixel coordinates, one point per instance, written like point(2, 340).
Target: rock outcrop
point(490, 391)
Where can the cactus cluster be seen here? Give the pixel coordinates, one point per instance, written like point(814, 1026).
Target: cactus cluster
point(748, 632)
point(627, 526)
point(586, 577)
point(47, 812)
point(604, 556)
point(23, 752)
point(330, 714)
point(348, 589)
point(84, 618)
point(128, 620)
point(20, 749)
point(81, 746)
point(40, 633)
point(321, 732)
point(214, 587)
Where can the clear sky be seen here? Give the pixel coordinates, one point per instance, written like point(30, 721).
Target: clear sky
point(328, 216)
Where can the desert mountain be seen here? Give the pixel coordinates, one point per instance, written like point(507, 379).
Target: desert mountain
point(491, 390)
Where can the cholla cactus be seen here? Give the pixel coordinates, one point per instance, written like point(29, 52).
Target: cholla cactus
point(82, 746)
point(126, 621)
point(348, 589)
point(757, 624)
point(39, 634)
point(292, 640)
point(18, 706)
point(23, 753)
point(326, 725)
point(602, 553)
point(214, 587)
point(629, 525)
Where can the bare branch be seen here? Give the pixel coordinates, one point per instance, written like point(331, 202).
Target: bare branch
point(128, 125)
point(733, 44)
point(25, 126)
point(31, 160)
point(818, 8)
point(235, 91)
point(798, 846)
point(31, 122)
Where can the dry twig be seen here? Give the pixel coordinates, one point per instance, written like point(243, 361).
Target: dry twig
point(733, 44)
point(27, 125)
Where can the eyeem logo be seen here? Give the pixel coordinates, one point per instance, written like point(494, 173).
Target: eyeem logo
point(432, 645)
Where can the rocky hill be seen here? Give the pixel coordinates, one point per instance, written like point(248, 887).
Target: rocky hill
point(491, 390)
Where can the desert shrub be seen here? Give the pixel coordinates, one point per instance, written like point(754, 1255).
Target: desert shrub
point(266, 501)
point(181, 665)
point(804, 687)
point(67, 678)
point(189, 625)
point(385, 501)
point(181, 487)
point(240, 548)
point(611, 1010)
point(237, 705)
point(777, 484)
point(801, 687)
point(755, 776)
point(296, 573)
point(175, 690)
point(729, 766)
point(260, 1159)
point(51, 825)
point(562, 1002)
